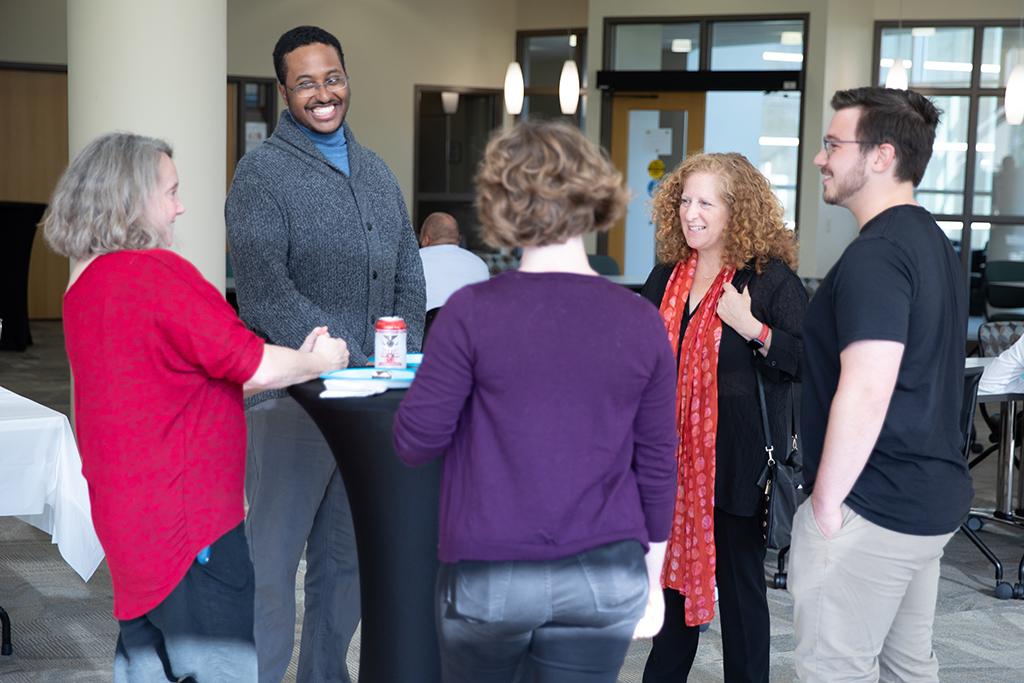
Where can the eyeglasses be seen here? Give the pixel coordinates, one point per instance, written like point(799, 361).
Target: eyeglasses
point(310, 88)
point(829, 143)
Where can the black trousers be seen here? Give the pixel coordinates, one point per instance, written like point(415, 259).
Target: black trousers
point(742, 606)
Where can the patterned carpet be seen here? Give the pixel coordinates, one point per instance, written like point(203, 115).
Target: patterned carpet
point(63, 631)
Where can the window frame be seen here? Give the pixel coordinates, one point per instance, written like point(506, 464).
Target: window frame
point(974, 93)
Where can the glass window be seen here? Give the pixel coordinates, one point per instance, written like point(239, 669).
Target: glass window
point(765, 128)
point(757, 45)
point(1001, 49)
point(933, 57)
point(999, 162)
point(543, 59)
point(942, 189)
point(657, 47)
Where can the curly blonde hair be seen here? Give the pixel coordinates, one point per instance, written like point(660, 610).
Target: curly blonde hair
point(99, 204)
point(756, 231)
point(542, 183)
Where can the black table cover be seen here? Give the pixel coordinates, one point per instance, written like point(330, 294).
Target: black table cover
point(394, 511)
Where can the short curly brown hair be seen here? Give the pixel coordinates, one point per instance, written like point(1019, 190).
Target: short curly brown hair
point(542, 183)
point(756, 231)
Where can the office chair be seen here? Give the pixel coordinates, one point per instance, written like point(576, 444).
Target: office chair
point(603, 265)
point(1001, 299)
point(1004, 590)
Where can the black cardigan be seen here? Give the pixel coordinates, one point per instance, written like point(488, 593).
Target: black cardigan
point(779, 299)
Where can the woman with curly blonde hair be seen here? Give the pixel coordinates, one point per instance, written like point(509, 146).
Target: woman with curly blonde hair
point(550, 391)
point(733, 307)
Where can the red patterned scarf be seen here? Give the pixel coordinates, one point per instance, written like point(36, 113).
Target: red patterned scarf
point(690, 560)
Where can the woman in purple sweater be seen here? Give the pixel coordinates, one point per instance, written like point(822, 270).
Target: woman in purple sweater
point(551, 393)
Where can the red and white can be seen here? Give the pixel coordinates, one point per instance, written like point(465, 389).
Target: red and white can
point(389, 344)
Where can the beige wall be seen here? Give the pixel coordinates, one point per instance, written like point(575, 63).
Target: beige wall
point(389, 48)
point(534, 15)
point(33, 31)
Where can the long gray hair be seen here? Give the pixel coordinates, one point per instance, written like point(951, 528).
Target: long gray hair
point(99, 204)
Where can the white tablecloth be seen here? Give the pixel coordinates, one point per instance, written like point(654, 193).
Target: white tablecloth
point(41, 479)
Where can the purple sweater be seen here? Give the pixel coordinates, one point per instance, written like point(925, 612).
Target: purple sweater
point(552, 397)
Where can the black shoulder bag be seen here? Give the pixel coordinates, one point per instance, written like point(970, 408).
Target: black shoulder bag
point(782, 482)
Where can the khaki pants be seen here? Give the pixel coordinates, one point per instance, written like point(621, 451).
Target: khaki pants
point(863, 601)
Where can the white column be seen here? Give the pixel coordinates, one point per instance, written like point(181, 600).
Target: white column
point(159, 69)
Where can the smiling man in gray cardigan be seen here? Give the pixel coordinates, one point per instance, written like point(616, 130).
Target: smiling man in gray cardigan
point(319, 235)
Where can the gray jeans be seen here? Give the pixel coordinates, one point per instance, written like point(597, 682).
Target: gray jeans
point(297, 500)
point(566, 621)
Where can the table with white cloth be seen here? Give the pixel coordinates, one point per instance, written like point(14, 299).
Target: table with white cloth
point(41, 479)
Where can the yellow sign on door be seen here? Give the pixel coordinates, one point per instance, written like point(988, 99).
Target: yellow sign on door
point(656, 168)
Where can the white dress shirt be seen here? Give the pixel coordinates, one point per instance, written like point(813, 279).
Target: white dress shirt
point(1003, 375)
point(447, 268)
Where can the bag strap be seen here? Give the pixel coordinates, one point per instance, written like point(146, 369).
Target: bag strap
point(794, 410)
point(764, 420)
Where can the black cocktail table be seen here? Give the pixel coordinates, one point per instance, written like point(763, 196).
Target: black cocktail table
point(394, 511)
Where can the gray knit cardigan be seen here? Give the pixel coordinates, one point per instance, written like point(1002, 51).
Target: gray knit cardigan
point(311, 246)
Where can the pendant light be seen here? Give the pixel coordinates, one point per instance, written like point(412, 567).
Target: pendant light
point(569, 88)
point(450, 102)
point(1013, 103)
point(897, 78)
point(514, 89)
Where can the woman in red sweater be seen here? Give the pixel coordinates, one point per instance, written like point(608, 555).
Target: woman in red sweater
point(160, 363)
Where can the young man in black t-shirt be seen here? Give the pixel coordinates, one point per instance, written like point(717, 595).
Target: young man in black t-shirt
point(884, 341)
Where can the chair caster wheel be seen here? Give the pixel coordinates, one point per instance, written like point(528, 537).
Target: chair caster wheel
point(1004, 591)
point(780, 581)
point(975, 523)
point(705, 627)
point(1018, 591)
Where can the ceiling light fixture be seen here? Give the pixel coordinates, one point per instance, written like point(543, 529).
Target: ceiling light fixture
point(897, 77)
point(514, 89)
point(569, 88)
point(450, 102)
point(1013, 102)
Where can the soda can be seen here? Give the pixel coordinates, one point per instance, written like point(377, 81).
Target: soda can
point(389, 344)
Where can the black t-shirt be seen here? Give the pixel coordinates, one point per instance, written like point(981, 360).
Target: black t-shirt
point(900, 280)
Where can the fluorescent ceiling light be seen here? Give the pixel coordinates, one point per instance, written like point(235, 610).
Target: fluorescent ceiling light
point(782, 57)
point(985, 147)
point(572, 40)
point(950, 147)
point(792, 38)
point(682, 45)
point(990, 68)
point(778, 142)
point(887, 63)
point(923, 31)
point(963, 67)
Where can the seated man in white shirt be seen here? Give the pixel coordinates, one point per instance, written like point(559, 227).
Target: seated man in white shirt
point(446, 266)
point(1003, 375)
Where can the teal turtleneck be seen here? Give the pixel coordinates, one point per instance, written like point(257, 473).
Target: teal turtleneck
point(331, 145)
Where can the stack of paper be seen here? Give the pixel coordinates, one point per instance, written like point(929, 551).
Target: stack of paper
point(351, 388)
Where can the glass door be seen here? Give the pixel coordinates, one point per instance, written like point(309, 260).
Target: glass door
point(651, 132)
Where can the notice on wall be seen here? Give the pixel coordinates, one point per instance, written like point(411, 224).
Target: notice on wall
point(255, 134)
point(658, 142)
